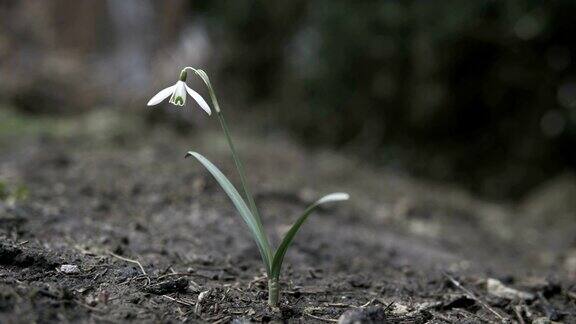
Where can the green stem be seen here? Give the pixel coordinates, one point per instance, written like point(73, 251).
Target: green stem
point(239, 165)
point(224, 125)
point(237, 161)
point(244, 182)
point(273, 292)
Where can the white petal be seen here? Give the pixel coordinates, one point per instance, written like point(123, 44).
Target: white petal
point(201, 102)
point(179, 96)
point(338, 196)
point(163, 94)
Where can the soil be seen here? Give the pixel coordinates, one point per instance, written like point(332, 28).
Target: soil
point(145, 235)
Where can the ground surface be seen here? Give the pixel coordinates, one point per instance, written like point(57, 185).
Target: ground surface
point(103, 189)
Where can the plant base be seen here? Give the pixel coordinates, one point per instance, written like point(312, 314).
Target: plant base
point(273, 292)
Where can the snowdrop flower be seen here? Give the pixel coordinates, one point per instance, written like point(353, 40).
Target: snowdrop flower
point(177, 94)
point(272, 258)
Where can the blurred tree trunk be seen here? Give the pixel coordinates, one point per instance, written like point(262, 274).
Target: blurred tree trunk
point(76, 23)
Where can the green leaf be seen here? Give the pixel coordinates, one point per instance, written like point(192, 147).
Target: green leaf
point(281, 251)
point(247, 215)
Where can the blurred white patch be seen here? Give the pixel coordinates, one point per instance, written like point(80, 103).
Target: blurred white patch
point(193, 49)
point(194, 44)
point(131, 29)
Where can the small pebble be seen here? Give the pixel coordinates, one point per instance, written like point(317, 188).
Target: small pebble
point(497, 288)
point(201, 297)
point(69, 269)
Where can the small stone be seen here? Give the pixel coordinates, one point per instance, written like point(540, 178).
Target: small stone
point(399, 309)
point(201, 297)
point(69, 269)
point(497, 288)
point(91, 300)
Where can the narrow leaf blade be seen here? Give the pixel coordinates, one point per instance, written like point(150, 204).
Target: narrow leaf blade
point(256, 230)
point(289, 237)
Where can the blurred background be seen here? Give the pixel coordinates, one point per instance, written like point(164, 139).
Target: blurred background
point(481, 94)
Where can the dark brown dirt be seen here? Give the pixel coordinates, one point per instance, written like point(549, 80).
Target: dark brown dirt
point(401, 251)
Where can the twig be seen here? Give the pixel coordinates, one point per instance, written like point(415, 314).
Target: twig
point(307, 313)
point(132, 261)
point(256, 280)
point(369, 303)
point(342, 305)
point(519, 315)
point(100, 274)
point(471, 295)
point(182, 274)
point(306, 292)
point(389, 305)
point(178, 301)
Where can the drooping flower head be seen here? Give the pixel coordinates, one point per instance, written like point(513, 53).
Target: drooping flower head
point(177, 94)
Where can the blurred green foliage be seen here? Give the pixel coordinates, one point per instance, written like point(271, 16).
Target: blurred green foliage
point(12, 194)
point(14, 124)
point(479, 92)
